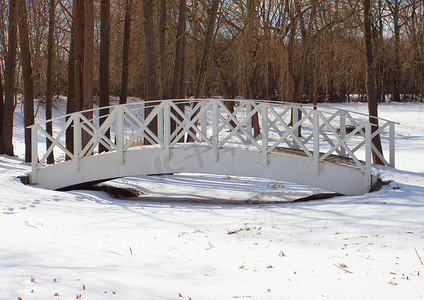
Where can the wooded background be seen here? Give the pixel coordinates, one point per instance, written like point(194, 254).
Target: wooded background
point(286, 50)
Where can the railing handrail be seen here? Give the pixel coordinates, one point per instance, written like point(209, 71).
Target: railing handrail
point(153, 103)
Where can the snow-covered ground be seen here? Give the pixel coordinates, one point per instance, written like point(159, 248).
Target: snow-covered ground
point(87, 245)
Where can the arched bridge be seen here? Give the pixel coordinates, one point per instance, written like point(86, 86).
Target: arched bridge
point(327, 148)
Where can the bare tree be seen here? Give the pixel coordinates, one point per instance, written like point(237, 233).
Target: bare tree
point(10, 73)
point(27, 76)
point(207, 43)
point(150, 51)
point(415, 33)
point(395, 8)
point(150, 61)
point(206, 47)
point(49, 75)
point(250, 60)
point(370, 80)
point(88, 54)
point(162, 58)
point(178, 78)
point(1, 110)
point(125, 52)
point(78, 39)
point(88, 65)
point(71, 99)
point(379, 50)
point(104, 63)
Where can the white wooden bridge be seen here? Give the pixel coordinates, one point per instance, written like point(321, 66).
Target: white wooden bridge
point(326, 148)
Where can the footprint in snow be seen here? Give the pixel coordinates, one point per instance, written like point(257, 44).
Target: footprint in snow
point(9, 211)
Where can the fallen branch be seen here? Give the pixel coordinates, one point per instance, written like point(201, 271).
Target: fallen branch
point(238, 230)
point(347, 271)
point(234, 231)
point(418, 256)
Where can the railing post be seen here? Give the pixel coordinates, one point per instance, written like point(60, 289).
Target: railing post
point(342, 132)
point(264, 107)
point(368, 161)
point(77, 140)
point(120, 133)
point(203, 118)
point(166, 127)
point(249, 121)
point(160, 122)
point(392, 144)
point(34, 147)
point(215, 128)
point(295, 110)
point(315, 137)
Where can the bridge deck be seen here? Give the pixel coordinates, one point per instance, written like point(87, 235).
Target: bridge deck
point(336, 159)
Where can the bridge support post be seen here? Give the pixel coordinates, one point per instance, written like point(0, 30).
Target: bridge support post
point(166, 128)
point(342, 131)
point(215, 129)
point(77, 141)
point(315, 137)
point(392, 144)
point(264, 108)
point(249, 121)
point(203, 118)
point(120, 133)
point(34, 152)
point(34, 147)
point(368, 161)
point(295, 121)
point(160, 121)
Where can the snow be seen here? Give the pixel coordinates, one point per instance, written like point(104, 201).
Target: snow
point(87, 245)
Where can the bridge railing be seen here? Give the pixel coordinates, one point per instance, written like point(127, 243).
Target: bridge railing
point(315, 133)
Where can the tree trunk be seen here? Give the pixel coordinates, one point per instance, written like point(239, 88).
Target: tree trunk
point(27, 76)
point(162, 31)
point(177, 89)
point(70, 101)
point(104, 63)
point(125, 52)
point(315, 80)
point(88, 54)
point(251, 76)
point(182, 87)
point(78, 32)
point(10, 73)
point(306, 33)
point(150, 51)
point(150, 62)
point(49, 75)
point(210, 29)
point(290, 49)
point(179, 53)
point(379, 39)
point(398, 64)
point(1, 111)
point(88, 65)
point(370, 80)
point(78, 27)
point(206, 47)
